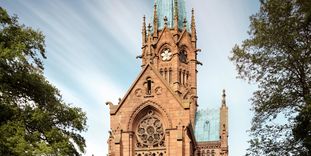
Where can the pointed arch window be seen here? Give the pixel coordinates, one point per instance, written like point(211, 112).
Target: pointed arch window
point(183, 56)
point(170, 75)
point(179, 77)
point(208, 153)
point(148, 86)
point(187, 78)
point(213, 152)
point(183, 77)
point(203, 153)
point(165, 74)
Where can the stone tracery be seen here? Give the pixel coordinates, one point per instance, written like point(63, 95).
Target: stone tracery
point(150, 132)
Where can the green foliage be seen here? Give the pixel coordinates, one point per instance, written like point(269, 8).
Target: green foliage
point(277, 57)
point(34, 120)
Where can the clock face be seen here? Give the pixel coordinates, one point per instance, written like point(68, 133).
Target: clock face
point(166, 54)
point(183, 56)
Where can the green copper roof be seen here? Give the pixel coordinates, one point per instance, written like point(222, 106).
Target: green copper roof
point(207, 124)
point(166, 8)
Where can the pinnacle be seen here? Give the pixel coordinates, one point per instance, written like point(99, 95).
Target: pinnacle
point(223, 97)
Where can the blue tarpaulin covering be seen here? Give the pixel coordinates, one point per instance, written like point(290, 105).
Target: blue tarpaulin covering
point(207, 125)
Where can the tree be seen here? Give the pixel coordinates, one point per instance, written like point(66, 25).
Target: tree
point(277, 57)
point(34, 120)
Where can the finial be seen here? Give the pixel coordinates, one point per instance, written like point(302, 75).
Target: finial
point(176, 16)
point(109, 103)
point(165, 20)
point(192, 18)
point(155, 10)
point(149, 29)
point(176, 8)
point(223, 97)
point(185, 22)
point(155, 21)
point(144, 30)
point(144, 23)
point(193, 29)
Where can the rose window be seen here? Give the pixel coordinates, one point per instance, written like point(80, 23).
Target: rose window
point(150, 132)
point(166, 55)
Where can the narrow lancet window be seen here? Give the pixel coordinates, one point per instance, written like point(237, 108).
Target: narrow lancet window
point(187, 78)
point(149, 85)
point(179, 75)
point(183, 77)
point(170, 75)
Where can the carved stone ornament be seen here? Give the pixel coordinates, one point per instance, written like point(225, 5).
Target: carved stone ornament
point(158, 90)
point(166, 54)
point(138, 92)
point(150, 132)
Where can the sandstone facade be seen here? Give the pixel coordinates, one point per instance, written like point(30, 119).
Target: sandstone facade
point(157, 116)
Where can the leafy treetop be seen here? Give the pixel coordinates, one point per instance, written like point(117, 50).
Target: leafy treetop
point(34, 120)
point(277, 57)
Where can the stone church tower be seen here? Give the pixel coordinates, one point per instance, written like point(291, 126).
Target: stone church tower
point(158, 116)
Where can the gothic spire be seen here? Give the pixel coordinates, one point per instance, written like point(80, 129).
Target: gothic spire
point(185, 23)
point(165, 21)
point(149, 29)
point(223, 101)
point(155, 21)
point(193, 28)
point(144, 31)
point(149, 50)
point(176, 15)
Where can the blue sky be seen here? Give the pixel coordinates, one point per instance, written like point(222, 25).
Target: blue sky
point(91, 48)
